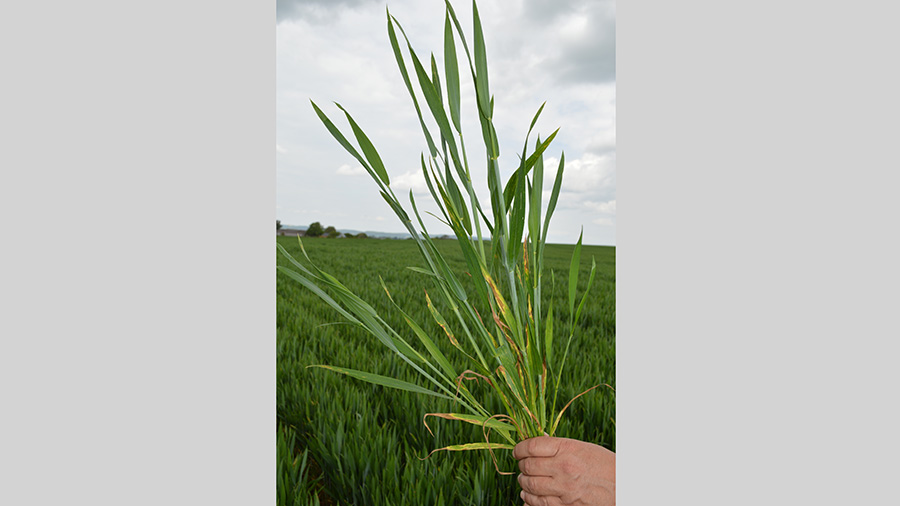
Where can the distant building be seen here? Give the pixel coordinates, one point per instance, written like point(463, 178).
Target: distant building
point(291, 232)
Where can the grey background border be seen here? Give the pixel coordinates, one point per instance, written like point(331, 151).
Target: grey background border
point(138, 334)
point(757, 253)
point(757, 248)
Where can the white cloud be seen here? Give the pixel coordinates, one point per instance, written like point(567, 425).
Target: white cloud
point(413, 180)
point(317, 10)
point(608, 207)
point(280, 149)
point(589, 188)
point(604, 142)
point(347, 170)
point(589, 174)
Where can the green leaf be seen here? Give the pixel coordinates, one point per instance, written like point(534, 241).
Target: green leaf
point(452, 72)
point(517, 218)
point(368, 149)
point(481, 80)
point(341, 139)
point(475, 265)
point(396, 207)
point(554, 194)
point(435, 78)
point(498, 206)
point(371, 322)
point(433, 350)
point(536, 116)
point(534, 213)
point(423, 271)
point(403, 72)
point(462, 36)
point(303, 280)
point(383, 381)
point(434, 194)
point(433, 99)
point(587, 289)
point(512, 184)
point(548, 334)
point(573, 278)
point(459, 204)
point(489, 135)
point(528, 134)
point(445, 272)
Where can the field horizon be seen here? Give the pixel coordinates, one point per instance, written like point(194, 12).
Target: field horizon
point(378, 234)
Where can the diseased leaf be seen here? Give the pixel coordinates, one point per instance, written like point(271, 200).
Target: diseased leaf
point(474, 446)
point(481, 421)
point(563, 410)
point(433, 350)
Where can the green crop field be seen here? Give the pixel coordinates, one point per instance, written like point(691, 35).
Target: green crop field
point(343, 441)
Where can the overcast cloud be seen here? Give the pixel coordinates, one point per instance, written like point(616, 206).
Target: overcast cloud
point(318, 10)
point(558, 51)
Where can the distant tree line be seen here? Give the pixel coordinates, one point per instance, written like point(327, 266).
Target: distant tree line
point(315, 229)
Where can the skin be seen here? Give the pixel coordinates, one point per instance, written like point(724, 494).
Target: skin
point(557, 471)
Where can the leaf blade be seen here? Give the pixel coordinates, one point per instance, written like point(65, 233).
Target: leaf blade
point(573, 278)
point(368, 149)
point(384, 381)
point(452, 72)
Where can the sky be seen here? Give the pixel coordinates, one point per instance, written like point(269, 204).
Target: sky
point(561, 52)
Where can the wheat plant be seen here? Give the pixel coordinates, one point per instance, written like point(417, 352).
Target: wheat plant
point(499, 324)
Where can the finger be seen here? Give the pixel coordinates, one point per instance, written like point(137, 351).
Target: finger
point(539, 466)
point(541, 446)
point(536, 500)
point(540, 485)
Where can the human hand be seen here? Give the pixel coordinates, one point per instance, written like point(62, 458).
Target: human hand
point(558, 471)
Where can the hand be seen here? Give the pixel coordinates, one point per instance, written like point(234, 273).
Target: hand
point(558, 471)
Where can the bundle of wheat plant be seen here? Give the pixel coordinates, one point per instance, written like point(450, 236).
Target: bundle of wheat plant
point(499, 324)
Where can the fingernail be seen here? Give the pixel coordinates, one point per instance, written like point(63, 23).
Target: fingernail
point(522, 495)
